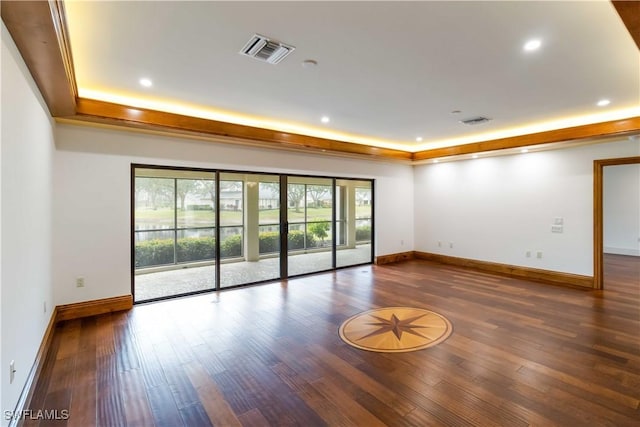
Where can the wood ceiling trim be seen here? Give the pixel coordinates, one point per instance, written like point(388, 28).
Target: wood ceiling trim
point(39, 30)
point(596, 130)
point(629, 11)
point(40, 33)
point(109, 113)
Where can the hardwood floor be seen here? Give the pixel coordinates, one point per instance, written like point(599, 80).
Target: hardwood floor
point(521, 353)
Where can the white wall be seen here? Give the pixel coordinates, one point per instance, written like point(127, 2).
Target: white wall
point(621, 209)
point(92, 198)
point(26, 173)
point(496, 209)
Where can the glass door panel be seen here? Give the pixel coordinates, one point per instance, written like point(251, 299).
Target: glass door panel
point(354, 221)
point(174, 232)
point(310, 219)
point(249, 228)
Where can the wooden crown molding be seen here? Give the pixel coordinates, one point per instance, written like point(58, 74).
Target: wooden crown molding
point(591, 131)
point(629, 12)
point(40, 32)
point(105, 112)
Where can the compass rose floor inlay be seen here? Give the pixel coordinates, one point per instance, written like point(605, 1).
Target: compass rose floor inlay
point(395, 329)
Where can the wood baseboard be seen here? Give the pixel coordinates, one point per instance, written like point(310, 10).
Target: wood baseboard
point(60, 313)
point(94, 307)
point(548, 276)
point(388, 259)
point(24, 401)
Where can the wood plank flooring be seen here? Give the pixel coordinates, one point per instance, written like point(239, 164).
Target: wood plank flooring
point(521, 353)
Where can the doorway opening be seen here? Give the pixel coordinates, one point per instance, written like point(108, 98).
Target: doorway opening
point(617, 263)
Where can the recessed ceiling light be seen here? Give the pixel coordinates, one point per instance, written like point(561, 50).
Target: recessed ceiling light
point(325, 119)
point(524, 150)
point(603, 103)
point(456, 112)
point(532, 45)
point(146, 82)
point(309, 63)
point(419, 139)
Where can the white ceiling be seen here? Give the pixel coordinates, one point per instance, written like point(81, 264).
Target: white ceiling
point(387, 72)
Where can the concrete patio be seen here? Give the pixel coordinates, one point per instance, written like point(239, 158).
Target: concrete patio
point(192, 279)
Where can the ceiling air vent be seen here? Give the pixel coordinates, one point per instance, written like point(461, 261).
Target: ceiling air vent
point(263, 49)
point(475, 121)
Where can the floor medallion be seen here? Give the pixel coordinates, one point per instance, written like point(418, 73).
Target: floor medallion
point(395, 329)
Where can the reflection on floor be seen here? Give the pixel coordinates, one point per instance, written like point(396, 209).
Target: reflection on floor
point(186, 280)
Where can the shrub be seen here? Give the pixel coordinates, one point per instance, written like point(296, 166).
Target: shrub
point(231, 247)
point(363, 233)
point(196, 249)
point(154, 252)
point(199, 208)
point(319, 229)
point(269, 242)
point(160, 251)
point(296, 240)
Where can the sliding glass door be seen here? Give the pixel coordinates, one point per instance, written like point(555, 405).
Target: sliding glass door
point(174, 232)
point(249, 228)
point(354, 222)
point(202, 230)
point(310, 225)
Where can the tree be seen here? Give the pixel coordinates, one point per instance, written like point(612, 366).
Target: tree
point(206, 189)
point(230, 185)
point(186, 186)
point(295, 194)
point(320, 230)
point(158, 190)
point(317, 192)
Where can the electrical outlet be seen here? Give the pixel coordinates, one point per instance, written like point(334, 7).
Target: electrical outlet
point(528, 254)
point(451, 245)
point(539, 254)
point(401, 242)
point(12, 371)
point(44, 305)
point(440, 243)
point(556, 229)
point(79, 282)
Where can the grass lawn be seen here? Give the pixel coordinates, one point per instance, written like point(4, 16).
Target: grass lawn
point(148, 218)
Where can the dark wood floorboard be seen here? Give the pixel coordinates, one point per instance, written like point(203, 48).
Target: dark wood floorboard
point(522, 353)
